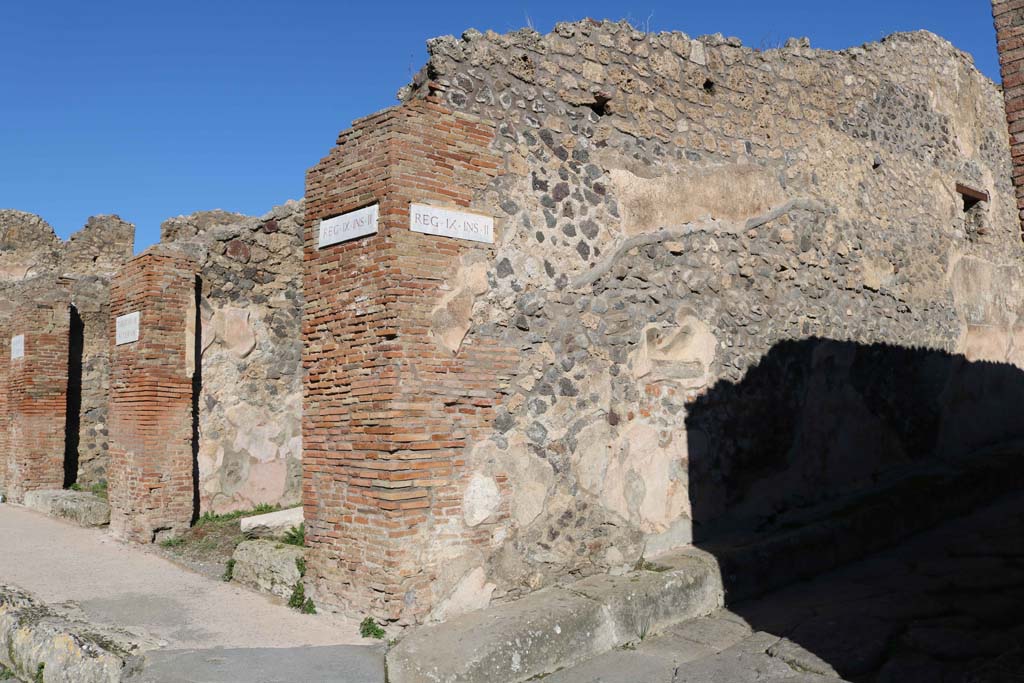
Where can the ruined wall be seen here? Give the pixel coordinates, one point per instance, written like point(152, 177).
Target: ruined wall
point(670, 210)
point(250, 406)
point(33, 257)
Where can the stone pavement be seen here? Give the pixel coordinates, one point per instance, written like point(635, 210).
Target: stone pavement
point(944, 606)
point(195, 629)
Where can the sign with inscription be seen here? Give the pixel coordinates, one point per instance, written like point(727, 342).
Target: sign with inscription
point(433, 220)
point(348, 226)
point(18, 347)
point(127, 328)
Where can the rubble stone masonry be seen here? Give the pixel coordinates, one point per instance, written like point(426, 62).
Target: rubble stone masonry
point(151, 398)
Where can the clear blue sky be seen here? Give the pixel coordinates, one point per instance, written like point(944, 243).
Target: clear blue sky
point(154, 109)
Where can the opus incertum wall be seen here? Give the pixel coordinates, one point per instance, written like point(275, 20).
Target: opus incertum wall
point(153, 333)
point(37, 377)
point(390, 398)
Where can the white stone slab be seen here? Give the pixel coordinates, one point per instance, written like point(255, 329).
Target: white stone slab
point(348, 226)
point(272, 524)
point(463, 225)
point(17, 347)
point(127, 328)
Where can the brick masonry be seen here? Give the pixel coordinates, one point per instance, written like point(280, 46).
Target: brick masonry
point(36, 386)
point(1009, 22)
point(151, 425)
point(387, 409)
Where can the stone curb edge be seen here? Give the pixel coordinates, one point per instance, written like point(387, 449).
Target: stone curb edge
point(38, 642)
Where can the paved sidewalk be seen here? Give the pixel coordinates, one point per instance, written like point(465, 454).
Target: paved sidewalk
point(204, 630)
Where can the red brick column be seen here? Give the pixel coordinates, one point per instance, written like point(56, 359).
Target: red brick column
point(6, 461)
point(37, 392)
point(1009, 22)
point(387, 412)
point(151, 458)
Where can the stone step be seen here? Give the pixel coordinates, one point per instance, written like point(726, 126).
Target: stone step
point(557, 627)
point(81, 507)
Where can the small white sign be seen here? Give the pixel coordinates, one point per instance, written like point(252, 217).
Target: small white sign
point(127, 328)
point(348, 226)
point(18, 347)
point(462, 225)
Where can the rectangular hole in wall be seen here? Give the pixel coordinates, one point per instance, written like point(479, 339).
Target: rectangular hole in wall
point(974, 207)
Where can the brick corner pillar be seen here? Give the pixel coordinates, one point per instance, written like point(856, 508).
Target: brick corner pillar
point(150, 475)
point(36, 355)
point(387, 412)
point(1008, 16)
point(6, 461)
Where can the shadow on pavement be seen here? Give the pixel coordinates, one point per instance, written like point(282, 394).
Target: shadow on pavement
point(830, 451)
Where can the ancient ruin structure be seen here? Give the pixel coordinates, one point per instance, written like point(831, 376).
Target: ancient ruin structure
point(580, 299)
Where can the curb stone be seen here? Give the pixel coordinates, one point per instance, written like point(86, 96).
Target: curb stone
point(556, 627)
point(39, 643)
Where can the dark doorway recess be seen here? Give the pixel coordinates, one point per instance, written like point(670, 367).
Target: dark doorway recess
point(197, 387)
point(72, 420)
point(866, 501)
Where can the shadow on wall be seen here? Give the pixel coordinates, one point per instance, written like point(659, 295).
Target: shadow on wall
point(829, 451)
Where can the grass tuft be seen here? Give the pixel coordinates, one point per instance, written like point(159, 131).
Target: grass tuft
point(371, 629)
point(229, 570)
point(296, 535)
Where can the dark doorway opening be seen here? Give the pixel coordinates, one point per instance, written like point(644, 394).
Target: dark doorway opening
point(72, 423)
point(197, 387)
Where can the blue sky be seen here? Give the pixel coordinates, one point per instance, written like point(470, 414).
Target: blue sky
point(155, 109)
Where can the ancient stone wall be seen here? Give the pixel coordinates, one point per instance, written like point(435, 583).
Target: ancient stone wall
point(669, 211)
point(250, 405)
point(33, 257)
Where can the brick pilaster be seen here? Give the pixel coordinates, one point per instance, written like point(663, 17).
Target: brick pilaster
point(387, 413)
point(37, 392)
point(6, 461)
point(151, 455)
point(1009, 22)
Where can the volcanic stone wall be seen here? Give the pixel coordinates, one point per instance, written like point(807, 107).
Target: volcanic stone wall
point(669, 211)
point(250, 403)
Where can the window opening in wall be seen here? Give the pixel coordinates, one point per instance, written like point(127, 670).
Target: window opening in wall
point(72, 420)
point(974, 207)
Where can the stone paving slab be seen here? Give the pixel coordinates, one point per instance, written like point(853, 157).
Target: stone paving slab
point(337, 664)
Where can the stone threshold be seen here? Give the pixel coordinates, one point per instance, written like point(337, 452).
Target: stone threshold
point(558, 627)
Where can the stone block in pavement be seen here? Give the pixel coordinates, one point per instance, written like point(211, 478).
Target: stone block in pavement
point(81, 507)
point(272, 524)
point(644, 602)
point(268, 566)
point(545, 631)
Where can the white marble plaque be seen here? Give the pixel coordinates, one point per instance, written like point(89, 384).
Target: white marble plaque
point(433, 220)
point(127, 328)
point(18, 347)
point(348, 226)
